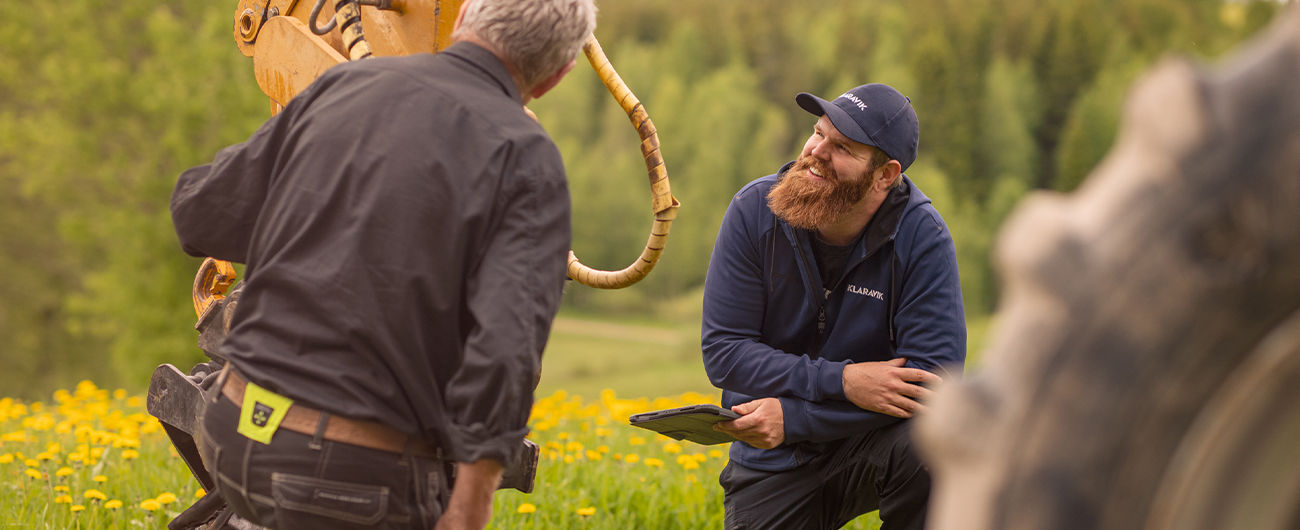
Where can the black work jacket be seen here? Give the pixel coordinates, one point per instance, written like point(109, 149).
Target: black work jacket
point(405, 227)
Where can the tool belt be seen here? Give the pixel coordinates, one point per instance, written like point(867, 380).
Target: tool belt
point(306, 420)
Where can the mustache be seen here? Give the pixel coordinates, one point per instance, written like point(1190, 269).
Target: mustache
point(803, 165)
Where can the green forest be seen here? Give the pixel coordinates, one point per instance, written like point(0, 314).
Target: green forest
point(104, 102)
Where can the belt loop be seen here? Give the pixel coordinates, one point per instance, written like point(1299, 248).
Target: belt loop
point(214, 393)
point(316, 441)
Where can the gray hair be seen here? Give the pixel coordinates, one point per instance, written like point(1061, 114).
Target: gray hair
point(538, 36)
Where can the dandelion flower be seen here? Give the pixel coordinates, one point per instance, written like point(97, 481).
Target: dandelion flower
point(631, 459)
point(61, 487)
point(618, 456)
point(130, 454)
point(637, 440)
point(119, 393)
point(166, 498)
point(113, 504)
point(593, 455)
point(673, 448)
point(150, 505)
point(563, 436)
point(199, 494)
point(573, 447)
point(53, 447)
point(691, 464)
point(654, 462)
point(699, 457)
point(63, 471)
point(568, 459)
point(31, 462)
point(76, 508)
point(33, 473)
point(100, 478)
point(587, 512)
point(95, 494)
point(6, 458)
point(715, 453)
point(63, 499)
point(526, 508)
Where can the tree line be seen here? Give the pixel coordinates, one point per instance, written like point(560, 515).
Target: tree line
point(103, 103)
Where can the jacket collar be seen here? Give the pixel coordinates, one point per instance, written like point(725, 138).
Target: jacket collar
point(487, 62)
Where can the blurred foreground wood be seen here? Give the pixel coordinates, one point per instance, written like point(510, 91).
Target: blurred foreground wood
point(1146, 373)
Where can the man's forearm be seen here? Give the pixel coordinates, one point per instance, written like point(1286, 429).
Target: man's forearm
point(471, 499)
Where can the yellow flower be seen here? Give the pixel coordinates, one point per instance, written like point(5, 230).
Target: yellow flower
point(563, 436)
point(31, 462)
point(699, 457)
point(631, 459)
point(135, 401)
point(166, 498)
point(587, 512)
point(199, 494)
point(715, 453)
point(95, 494)
point(33, 473)
point(654, 462)
point(53, 447)
point(526, 508)
point(63, 471)
point(682, 459)
point(603, 448)
point(100, 478)
point(77, 507)
point(592, 455)
point(150, 505)
point(637, 440)
point(568, 459)
point(113, 504)
point(542, 426)
point(673, 448)
point(573, 447)
point(6, 458)
point(63, 498)
point(618, 456)
point(130, 454)
point(119, 393)
point(61, 487)
point(691, 464)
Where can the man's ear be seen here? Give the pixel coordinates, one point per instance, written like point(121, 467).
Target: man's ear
point(460, 16)
point(889, 174)
point(547, 84)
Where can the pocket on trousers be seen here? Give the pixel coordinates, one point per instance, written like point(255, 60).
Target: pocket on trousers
point(307, 502)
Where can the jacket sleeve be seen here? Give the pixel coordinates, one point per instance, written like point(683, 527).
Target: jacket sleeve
point(734, 301)
point(824, 421)
point(215, 206)
point(511, 297)
point(930, 320)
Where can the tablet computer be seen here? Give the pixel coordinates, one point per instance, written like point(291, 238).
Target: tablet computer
point(692, 423)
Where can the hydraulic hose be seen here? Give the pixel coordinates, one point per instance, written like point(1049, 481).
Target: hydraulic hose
point(663, 204)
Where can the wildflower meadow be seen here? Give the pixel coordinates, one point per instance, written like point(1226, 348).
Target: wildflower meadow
point(93, 458)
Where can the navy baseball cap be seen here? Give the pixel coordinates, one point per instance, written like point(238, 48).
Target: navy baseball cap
point(875, 115)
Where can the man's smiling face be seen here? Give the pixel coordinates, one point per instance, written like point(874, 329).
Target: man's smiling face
point(832, 175)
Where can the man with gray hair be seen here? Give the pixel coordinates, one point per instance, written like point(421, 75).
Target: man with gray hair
point(405, 226)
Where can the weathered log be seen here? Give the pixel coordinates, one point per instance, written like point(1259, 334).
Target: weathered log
point(1146, 368)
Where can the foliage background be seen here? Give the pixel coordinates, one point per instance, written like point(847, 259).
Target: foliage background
point(103, 103)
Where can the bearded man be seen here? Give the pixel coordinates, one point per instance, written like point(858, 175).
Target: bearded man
point(832, 298)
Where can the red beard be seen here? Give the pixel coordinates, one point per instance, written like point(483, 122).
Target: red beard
point(810, 204)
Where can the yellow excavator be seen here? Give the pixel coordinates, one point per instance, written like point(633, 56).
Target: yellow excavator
point(291, 43)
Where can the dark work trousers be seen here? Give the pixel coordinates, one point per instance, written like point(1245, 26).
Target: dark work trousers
point(876, 470)
point(290, 485)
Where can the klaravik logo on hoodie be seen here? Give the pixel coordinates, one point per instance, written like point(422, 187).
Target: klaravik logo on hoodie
point(866, 292)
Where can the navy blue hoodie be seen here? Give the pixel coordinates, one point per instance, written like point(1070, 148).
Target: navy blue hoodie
point(899, 296)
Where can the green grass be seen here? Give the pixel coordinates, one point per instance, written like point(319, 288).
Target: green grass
point(586, 355)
